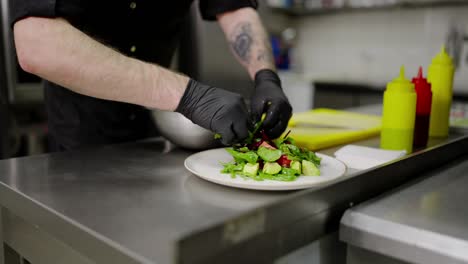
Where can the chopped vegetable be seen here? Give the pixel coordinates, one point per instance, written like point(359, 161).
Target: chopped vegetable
point(284, 161)
point(260, 158)
point(309, 168)
point(250, 169)
point(296, 165)
point(269, 155)
point(271, 168)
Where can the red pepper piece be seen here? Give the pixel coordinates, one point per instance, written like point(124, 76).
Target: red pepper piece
point(284, 161)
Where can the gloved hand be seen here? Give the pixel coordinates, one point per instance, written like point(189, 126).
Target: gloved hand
point(269, 98)
point(216, 109)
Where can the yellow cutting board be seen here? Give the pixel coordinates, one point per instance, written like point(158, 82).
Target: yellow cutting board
point(323, 128)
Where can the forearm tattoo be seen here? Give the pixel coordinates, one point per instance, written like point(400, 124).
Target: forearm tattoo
point(251, 46)
point(242, 40)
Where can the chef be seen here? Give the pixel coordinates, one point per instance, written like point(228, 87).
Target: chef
point(105, 63)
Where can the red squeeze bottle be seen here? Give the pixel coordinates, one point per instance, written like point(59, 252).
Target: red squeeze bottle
point(423, 110)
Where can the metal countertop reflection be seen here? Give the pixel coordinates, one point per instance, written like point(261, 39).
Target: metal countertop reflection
point(424, 222)
point(139, 195)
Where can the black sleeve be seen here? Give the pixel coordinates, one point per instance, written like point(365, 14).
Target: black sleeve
point(20, 9)
point(209, 9)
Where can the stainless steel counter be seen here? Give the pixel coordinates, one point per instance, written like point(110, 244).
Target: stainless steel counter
point(424, 222)
point(136, 203)
point(134, 195)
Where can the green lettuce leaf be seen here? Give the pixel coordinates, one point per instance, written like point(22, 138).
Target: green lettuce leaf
point(232, 168)
point(240, 157)
point(277, 177)
point(252, 134)
point(298, 154)
point(289, 172)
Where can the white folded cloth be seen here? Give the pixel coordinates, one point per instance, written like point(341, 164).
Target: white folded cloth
point(362, 158)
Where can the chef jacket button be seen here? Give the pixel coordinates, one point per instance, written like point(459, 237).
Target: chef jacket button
point(133, 5)
point(132, 117)
point(133, 48)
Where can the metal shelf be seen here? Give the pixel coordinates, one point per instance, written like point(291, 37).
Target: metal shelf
point(299, 10)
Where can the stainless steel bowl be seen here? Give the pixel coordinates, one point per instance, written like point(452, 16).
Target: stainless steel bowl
point(182, 132)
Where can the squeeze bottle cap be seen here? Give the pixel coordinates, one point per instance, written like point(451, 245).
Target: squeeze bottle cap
point(401, 84)
point(442, 57)
point(421, 84)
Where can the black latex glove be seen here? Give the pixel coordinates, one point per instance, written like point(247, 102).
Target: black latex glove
point(269, 98)
point(216, 109)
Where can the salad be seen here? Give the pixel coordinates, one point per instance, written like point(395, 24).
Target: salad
point(261, 158)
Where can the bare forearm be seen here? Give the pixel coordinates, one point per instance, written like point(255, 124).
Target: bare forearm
point(248, 39)
point(60, 53)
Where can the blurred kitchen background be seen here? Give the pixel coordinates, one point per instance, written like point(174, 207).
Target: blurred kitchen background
point(331, 53)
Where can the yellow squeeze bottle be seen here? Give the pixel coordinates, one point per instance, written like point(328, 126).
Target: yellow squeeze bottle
point(399, 113)
point(440, 75)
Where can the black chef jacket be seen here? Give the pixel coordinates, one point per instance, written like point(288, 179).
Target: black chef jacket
point(145, 29)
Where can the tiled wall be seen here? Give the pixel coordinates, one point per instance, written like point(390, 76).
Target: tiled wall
point(369, 46)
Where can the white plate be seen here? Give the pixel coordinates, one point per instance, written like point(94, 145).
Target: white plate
point(207, 165)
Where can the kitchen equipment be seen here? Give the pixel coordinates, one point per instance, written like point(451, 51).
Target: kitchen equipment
point(440, 76)
point(423, 110)
point(322, 128)
point(399, 112)
point(208, 165)
point(182, 132)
